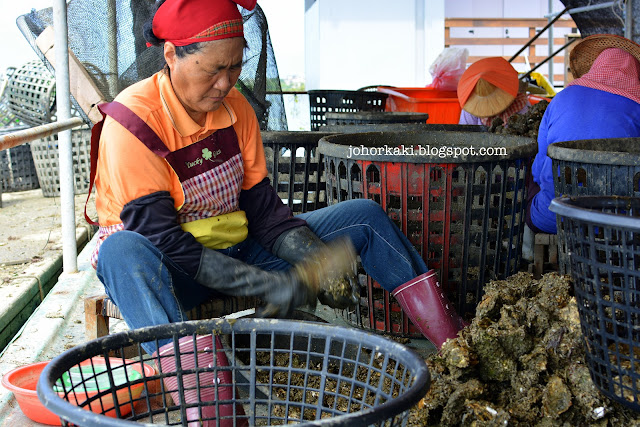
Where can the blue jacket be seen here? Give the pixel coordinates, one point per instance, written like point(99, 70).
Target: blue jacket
point(577, 112)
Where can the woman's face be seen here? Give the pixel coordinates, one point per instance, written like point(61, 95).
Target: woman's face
point(202, 79)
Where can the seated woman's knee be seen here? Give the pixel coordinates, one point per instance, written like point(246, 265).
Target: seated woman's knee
point(367, 208)
point(123, 243)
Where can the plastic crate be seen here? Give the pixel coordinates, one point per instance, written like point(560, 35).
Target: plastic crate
point(464, 215)
point(45, 157)
point(441, 105)
point(342, 101)
point(31, 93)
point(18, 170)
point(282, 372)
point(602, 234)
point(303, 190)
point(595, 167)
point(375, 117)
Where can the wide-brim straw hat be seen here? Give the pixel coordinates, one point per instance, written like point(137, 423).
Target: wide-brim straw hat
point(487, 100)
point(488, 87)
point(587, 50)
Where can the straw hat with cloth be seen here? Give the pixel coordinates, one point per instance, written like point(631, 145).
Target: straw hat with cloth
point(490, 87)
point(609, 63)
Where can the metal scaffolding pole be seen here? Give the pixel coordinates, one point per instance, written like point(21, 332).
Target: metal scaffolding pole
point(628, 19)
point(13, 137)
point(63, 104)
point(584, 9)
point(112, 48)
point(551, 79)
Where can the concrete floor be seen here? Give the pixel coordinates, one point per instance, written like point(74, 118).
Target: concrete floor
point(58, 324)
point(55, 326)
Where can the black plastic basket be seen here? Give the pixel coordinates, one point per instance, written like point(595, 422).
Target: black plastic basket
point(594, 167)
point(602, 237)
point(296, 168)
point(282, 371)
point(404, 127)
point(375, 117)
point(463, 213)
point(342, 101)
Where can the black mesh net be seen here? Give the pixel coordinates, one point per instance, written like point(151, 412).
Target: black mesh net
point(106, 36)
point(609, 20)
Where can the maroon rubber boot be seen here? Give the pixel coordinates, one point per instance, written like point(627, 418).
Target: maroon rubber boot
point(423, 300)
point(205, 381)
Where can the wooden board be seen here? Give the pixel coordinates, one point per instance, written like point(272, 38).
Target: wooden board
point(82, 87)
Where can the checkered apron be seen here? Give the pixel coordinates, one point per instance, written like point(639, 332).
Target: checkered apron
point(210, 170)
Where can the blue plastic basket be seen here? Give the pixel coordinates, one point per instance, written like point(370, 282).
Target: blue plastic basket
point(283, 371)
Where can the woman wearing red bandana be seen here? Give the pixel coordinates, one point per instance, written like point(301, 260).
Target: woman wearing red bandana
point(186, 210)
point(602, 102)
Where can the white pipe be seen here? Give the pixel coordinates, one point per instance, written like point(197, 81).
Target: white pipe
point(63, 104)
point(584, 9)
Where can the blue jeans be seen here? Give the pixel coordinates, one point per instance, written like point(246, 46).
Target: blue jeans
point(150, 289)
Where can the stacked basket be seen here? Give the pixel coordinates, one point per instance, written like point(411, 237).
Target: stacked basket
point(30, 96)
point(464, 214)
point(595, 167)
point(597, 184)
point(296, 168)
point(46, 157)
point(602, 239)
point(322, 102)
point(17, 170)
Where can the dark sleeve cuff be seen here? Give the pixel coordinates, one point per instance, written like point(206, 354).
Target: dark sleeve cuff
point(154, 216)
point(268, 216)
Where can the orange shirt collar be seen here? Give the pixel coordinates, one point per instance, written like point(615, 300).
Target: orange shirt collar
point(221, 118)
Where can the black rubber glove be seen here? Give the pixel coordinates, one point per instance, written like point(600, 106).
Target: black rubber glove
point(282, 291)
point(299, 244)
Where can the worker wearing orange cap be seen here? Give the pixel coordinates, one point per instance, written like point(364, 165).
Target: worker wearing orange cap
point(488, 89)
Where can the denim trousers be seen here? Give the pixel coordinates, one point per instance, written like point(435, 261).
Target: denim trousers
point(150, 289)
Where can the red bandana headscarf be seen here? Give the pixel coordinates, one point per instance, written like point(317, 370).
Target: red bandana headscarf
point(615, 71)
point(183, 22)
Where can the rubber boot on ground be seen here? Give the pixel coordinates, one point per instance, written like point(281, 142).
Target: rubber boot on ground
point(201, 415)
point(423, 300)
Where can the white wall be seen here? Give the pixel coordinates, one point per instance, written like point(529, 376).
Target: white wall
point(356, 43)
point(505, 9)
